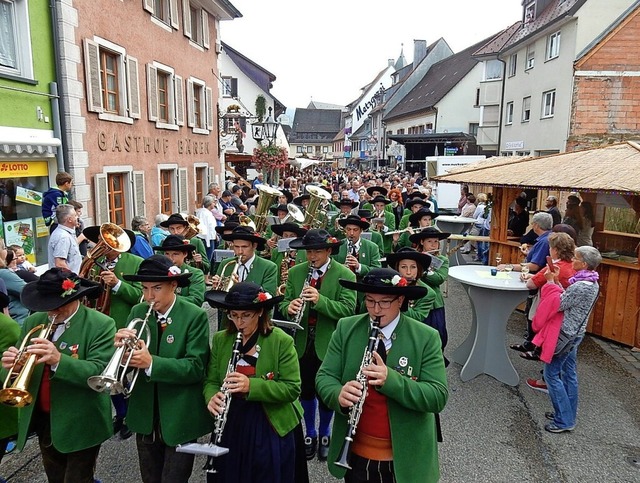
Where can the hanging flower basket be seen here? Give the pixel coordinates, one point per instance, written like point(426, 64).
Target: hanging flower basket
point(270, 160)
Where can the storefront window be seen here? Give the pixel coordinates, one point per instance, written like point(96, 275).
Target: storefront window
point(22, 185)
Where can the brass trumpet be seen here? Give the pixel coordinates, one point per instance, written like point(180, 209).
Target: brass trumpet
point(113, 378)
point(16, 394)
point(226, 282)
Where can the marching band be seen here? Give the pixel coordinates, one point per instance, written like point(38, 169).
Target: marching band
point(282, 382)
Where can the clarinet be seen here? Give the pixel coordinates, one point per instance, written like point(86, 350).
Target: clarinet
point(356, 410)
point(221, 419)
point(298, 317)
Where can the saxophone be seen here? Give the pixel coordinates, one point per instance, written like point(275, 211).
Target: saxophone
point(298, 317)
point(356, 410)
point(284, 271)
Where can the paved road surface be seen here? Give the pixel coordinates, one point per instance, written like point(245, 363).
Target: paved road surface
point(493, 432)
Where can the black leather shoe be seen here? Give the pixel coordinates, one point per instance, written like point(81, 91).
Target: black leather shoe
point(323, 450)
point(117, 424)
point(125, 432)
point(310, 447)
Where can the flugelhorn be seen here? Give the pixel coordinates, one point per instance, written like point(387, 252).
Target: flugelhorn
point(113, 378)
point(17, 394)
point(226, 281)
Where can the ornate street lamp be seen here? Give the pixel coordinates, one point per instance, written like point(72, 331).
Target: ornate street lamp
point(270, 128)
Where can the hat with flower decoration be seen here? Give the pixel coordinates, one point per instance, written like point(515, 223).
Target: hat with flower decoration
point(176, 243)
point(385, 281)
point(242, 296)
point(57, 287)
point(158, 268)
point(316, 240)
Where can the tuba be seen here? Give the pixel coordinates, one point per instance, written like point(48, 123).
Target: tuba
point(266, 197)
point(16, 394)
point(113, 378)
point(316, 216)
point(192, 229)
point(295, 214)
point(112, 237)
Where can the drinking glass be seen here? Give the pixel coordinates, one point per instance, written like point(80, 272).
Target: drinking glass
point(524, 268)
point(508, 267)
point(498, 258)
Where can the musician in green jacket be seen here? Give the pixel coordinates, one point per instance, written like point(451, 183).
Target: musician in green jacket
point(358, 254)
point(71, 419)
point(263, 386)
point(295, 257)
point(179, 251)
point(411, 206)
point(177, 225)
point(417, 221)
point(9, 336)
point(395, 438)
point(165, 407)
point(314, 295)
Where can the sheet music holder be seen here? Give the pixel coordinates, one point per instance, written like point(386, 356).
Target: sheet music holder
point(283, 244)
point(208, 449)
point(366, 235)
point(286, 324)
point(219, 255)
point(271, 220)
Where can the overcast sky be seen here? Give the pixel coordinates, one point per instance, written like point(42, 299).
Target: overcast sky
point(327, 50)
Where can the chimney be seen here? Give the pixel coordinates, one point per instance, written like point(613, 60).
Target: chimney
point(419, 51)
point(391, 62)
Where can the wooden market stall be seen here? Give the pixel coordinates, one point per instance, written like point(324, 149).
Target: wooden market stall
point(607, 177)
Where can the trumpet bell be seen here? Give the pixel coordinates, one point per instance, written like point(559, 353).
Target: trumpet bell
point(14, 397)
point(106, 384)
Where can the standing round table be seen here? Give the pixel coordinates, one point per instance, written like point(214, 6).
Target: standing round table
point(456, 225)
point(493, 299)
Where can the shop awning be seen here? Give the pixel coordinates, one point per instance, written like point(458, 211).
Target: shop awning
point(432, 138)
point(614, 169)
point(303, 163)
point(21, 146)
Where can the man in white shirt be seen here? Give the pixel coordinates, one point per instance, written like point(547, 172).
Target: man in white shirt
point(63, 249)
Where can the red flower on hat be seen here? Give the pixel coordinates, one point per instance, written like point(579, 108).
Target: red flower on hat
point(262, 297)
point(185, 242)
point(402, 282)
point(364, 219)
point(332, 239)
point(69, 287)
point(173, 271)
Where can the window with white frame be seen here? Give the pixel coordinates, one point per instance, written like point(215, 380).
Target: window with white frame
point(530, 12)
point(165, 96)
point(548, 103)
point(508, 116)
point(15, 39)
point(531, 57)
point(309, 149)
point(492, 70)
point(325, 149)
point(195, 23)
point(229, 87)
point(199, 106)
point(112, 81)
point(299, 149)
point(513, 64)
point(553, 46)
point(163, 12)
point(526, 109)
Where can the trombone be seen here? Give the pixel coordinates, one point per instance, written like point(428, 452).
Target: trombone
point(16, 394)
point(113, 378)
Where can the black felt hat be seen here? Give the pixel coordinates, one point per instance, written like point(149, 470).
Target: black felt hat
point(57, 287)
point(242, 296)
point(288, 194)
point(417, 201)
point(158, 268)
point(174, 219)
point(281, 207)
point(298, 199)
point(383, 191)
point(245, 233)
point(229, 225)
point(316, 240)
point(385, 281)
point(346, 201)
point(407, 253)
point(176, 243)
point(428, 232)
point(379, 199)
point(279, 229)
point(93, 234)
point(355, 220)
point(414, 218)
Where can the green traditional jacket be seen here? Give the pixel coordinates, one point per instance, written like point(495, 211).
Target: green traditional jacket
point(128, 293)
point(416, 389)
point(80, 417)
point(194, 292)
point(368, 256)
point(200, 248)
point(334, 303)
point(180, 356)
point(263, 272)
point(277, 257)
point(9, 336)
point(277, 381)
point(436, 278)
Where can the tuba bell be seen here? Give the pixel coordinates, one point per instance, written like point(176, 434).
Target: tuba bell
point(316, 216)
point(267, 196)
point(193, 226)
point(17, 395)
point(294, 214)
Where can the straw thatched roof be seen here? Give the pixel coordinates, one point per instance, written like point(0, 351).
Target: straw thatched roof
point(613, 169)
